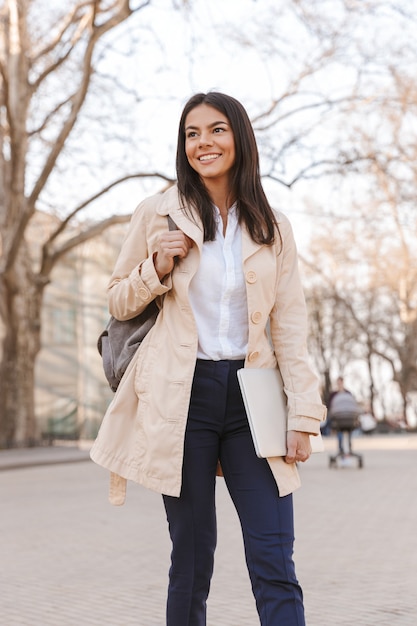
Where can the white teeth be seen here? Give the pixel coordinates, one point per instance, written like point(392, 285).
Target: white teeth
point(208, 157)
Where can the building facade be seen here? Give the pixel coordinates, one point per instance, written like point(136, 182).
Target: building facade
point(71, 392)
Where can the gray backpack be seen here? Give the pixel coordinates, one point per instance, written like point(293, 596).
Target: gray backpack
point(119, 341)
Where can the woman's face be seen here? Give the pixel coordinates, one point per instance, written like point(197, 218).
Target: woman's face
point(209, 144)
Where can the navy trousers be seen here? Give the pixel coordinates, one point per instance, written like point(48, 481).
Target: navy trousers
point(217, 428)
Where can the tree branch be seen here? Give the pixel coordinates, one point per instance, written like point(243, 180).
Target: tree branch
point(349, 306)
point(100, 193)
point(66, 22)
point(50, 260)
point(49, 116)
point(303, 173)
point(79, 97)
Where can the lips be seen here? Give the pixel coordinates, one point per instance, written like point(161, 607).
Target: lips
point(208, 157)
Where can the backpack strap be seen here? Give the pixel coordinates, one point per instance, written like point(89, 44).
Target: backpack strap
point(171, 224)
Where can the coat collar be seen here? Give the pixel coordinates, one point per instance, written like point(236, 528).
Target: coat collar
point(171, 204)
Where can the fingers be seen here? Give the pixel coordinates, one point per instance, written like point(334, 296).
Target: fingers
point(294, 456)
point(174, 244)
point(171, 245)
point(298, 447)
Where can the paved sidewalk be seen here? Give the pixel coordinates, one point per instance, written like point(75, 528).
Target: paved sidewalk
point(68, 558)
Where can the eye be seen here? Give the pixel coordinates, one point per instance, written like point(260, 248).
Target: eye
point(218, 129)
point(191, 134)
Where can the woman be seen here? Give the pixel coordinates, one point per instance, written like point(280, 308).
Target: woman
point(228, 272)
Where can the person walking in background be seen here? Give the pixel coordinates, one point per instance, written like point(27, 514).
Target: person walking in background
point(231, 297)
point(342, 405)
point(340, 386)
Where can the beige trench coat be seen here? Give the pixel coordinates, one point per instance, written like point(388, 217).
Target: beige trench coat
point(142, 434)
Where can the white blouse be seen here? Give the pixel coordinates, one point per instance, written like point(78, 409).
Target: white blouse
point(218, 295)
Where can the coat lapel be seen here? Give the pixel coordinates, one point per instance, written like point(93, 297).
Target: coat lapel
point(249, 247)
point(170, 204)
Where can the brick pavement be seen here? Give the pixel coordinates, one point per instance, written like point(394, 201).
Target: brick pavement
point(68, 558)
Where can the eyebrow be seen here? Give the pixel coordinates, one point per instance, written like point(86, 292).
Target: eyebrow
point(210, 125)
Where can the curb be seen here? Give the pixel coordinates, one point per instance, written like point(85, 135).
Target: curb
point(20, 458)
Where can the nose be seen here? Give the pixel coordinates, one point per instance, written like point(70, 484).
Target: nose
point(206, 139)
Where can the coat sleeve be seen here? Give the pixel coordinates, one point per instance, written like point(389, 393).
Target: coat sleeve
point(288, 322)
point(134, 282)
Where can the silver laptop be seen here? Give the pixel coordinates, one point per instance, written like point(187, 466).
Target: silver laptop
point(266, 407)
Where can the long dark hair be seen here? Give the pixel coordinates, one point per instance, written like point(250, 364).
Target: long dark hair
point(252, 205)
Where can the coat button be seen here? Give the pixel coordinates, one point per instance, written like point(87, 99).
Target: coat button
point(253, 356)
point(251, 276)
point(144, 293)
point(256, 317)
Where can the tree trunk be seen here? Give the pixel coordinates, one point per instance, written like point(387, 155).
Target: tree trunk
point(21, 305)
point(327, 387)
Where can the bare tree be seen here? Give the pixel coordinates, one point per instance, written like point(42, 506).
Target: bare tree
point(360, 149)
point(45, 78)
point(361, 280)
point(336, 80)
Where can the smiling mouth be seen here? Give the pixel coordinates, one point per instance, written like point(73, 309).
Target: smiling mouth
point(208, 157)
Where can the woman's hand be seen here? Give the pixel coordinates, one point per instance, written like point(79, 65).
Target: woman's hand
point(298, 446)
point(172, 244)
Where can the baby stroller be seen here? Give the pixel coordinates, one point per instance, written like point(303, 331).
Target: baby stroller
point(344, 418)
